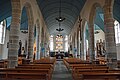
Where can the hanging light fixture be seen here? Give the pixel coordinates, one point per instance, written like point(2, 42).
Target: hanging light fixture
point(60, 19)
point(59, 29)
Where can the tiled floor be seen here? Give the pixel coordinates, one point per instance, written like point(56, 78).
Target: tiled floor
point(61, 72)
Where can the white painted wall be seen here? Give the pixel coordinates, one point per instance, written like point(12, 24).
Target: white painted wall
point(3, 47)
point(0, 51)
point(23, 37)
point(100, 35)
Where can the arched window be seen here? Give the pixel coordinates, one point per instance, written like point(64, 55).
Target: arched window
point(51, 43)
point(117, 31)
point(2, 31)
point(66, 43)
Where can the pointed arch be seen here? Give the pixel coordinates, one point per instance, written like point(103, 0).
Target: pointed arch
point(29, 11)
point(91, 30)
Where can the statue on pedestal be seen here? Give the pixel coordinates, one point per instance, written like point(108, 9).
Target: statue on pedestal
point(100, 47)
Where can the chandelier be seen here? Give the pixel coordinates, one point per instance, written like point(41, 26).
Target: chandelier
point(59, 29)
point(60, 19)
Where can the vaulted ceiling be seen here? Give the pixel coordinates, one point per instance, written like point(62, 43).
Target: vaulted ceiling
point(70, 10)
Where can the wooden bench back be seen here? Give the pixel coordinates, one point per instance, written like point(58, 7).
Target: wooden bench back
point(25, 70)
point(22, 76)
point(48, 72)
point(99, 76)
point(33, 67)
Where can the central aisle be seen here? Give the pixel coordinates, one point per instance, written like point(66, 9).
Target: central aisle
point(61, 72)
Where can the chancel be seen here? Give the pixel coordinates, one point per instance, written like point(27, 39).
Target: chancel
point(59, 40)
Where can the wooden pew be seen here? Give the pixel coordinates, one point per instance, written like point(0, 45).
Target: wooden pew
point(118, 63)
point(34, 67)
point(99, 76)
point(45, 61)
point(80, 69)
point(2, 75)
point(3, 63)
point(88, 68)
point(75, 69)
point(37, 65)
point(42, 66)
point(22, 76)
point(77, 73)
point(73, 66)
point(49, 67)
point(83, 71)
point(114, 70)
point(74, 61)
point(36, 71)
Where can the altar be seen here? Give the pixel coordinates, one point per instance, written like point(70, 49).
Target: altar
point(59, 55)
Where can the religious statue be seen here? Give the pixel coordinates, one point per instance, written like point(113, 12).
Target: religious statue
point(20, 47)
point(100, 46)
point(23, 51)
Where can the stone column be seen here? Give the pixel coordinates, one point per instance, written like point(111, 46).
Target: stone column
point(72, 43)
point(42, 42)
point(111, 53)
point(91, 42)
point(30, 42)
point(78, 46)
point(30, 31)
point(82, 44)
point(14, 34)
point(82, 47)
point(45, 44)
point(37, 43)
